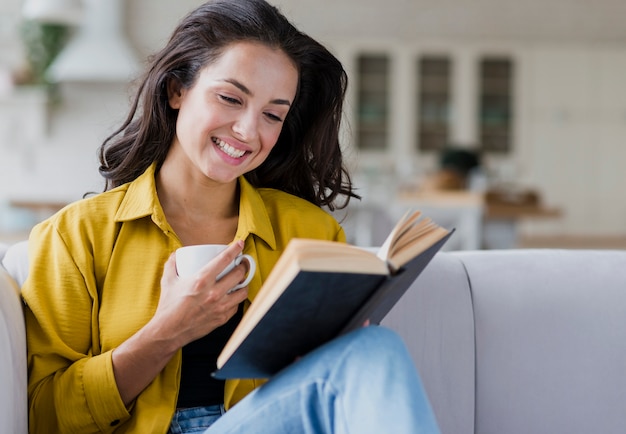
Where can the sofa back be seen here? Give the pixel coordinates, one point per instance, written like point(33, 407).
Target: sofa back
point(521, 341)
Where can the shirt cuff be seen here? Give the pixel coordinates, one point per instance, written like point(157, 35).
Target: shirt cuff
point(101, 392)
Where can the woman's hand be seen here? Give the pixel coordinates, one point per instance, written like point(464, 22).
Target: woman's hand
point(188, 309)
point(196, 305)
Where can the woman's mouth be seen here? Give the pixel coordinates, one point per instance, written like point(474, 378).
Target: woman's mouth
point(229, 150)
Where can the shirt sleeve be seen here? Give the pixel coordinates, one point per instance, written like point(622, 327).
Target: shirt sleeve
point(71, 386)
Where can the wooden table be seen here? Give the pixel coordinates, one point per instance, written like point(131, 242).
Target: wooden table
point(459, 209)
point(501, 222)
point(480, 223)
point(38, 206)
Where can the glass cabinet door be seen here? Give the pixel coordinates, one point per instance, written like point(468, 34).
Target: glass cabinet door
point(495, 104)
point(373, 102)
point(433, 102)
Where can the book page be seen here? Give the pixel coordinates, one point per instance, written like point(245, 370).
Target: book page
point(404, 253)
point(403, 224)
point(413, 234)
point(419, 229)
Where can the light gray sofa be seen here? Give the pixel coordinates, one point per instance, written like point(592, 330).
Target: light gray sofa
point(521, 341)
point(13, 399)
point(506, 342)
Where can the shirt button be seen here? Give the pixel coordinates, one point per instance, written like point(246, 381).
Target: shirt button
point(115, 422)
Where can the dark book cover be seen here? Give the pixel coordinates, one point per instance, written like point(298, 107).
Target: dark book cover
point(311, 311)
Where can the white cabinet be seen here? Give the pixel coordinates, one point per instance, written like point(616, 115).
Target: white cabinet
point(566, 122)
point(405, 104)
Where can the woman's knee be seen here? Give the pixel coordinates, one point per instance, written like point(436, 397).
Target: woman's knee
point(377, 342)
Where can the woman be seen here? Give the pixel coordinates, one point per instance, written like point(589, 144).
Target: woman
point(232, 139)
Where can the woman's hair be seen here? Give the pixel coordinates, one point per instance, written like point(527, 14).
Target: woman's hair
point(306, 160)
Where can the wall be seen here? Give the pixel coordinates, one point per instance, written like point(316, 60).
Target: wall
point(572, 114)
point(575, 131)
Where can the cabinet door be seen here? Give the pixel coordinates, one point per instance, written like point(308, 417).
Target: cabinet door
point(495, 103)
point(373, 102)
point(433, 102)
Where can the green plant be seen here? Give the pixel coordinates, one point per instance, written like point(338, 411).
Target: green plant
point(43, 42)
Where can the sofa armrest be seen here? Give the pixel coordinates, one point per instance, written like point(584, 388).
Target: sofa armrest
point(15, 261)
point(13, 380)
point(435, 319)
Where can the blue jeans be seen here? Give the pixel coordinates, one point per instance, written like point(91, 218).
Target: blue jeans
point(195, 420)
point(363, 382)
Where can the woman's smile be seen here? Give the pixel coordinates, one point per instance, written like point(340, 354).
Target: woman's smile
point(229, 150)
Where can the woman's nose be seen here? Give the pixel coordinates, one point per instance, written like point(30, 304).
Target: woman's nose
point(246, 126)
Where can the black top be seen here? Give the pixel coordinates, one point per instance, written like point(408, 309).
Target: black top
point(197, 387)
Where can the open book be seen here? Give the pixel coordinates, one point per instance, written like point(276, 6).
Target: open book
point(321, 289)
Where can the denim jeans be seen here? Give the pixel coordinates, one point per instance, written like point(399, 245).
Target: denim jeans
point(195, 420)
point(363, 382)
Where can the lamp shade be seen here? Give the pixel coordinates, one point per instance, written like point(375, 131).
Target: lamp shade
point(68, 12)
point(98, 51)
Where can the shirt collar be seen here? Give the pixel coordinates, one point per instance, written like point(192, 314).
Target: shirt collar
point(253, 216)
point(141, 200)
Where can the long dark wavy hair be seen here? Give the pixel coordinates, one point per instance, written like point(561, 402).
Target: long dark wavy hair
point(307, 159)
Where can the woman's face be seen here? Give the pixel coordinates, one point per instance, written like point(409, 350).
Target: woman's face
point(230, 119)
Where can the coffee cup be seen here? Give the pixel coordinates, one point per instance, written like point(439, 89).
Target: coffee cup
point(190, 259)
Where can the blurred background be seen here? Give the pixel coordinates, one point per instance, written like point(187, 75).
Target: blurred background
point(504, 119)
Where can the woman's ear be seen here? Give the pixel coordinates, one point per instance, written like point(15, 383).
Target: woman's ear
point(174, 94)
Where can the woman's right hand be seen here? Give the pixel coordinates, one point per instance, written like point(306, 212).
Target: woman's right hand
point(188, 309)
point(191, 307)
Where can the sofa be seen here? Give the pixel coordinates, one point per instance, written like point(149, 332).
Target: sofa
point(13, 396)
point(520, 341)
point(506, 341)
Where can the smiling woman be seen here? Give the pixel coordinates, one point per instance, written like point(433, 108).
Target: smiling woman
point(232, 138)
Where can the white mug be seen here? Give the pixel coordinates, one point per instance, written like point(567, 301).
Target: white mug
point(190, 259)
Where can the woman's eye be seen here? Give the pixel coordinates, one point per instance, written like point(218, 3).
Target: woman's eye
point(229, 99)
point(273, 117)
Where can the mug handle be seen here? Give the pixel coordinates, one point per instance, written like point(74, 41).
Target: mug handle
point(232, 265)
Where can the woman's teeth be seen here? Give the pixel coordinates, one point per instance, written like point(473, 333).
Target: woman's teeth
point(229, 150)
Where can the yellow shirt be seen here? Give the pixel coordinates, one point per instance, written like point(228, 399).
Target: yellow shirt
point(95, 269)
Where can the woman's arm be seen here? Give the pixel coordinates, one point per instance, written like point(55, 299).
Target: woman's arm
point(72, 386)
point(66, 378)
point(188, 309)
